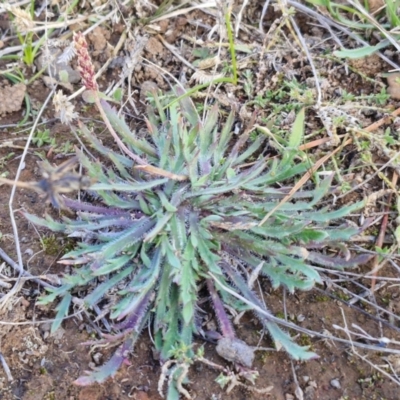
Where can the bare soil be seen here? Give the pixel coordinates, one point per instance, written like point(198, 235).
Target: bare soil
point(44, 366)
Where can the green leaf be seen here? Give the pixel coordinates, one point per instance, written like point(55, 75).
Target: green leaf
point(117, 95)
point(128, 187)
point(48, 222)
point(62, 312)
point(161, 222)
point(119, 124)
point(127, 238)
point(310, 235)
point(283, 339)
point(322, 3)
point(187, 292)
point(63, 74)
point(299, 266)
point(112, 265)
point(362, 51)
point(165, 203)
point(324, 216)
point(297, 134)
point(91, 299)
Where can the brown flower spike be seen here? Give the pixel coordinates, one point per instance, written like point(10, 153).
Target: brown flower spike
point(85, 65)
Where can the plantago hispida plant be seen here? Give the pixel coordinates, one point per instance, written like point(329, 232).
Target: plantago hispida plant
point(190, 213)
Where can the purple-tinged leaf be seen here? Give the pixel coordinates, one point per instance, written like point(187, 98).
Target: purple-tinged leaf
point(338, 262)
point(103, 288)
point(280, 337)
point(222, 317)
point(109, 368)
point(134, 319)
point(80, 206)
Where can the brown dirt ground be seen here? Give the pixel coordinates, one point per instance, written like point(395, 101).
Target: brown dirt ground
point(44, 367)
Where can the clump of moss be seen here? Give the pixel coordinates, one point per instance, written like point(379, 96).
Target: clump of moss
point(320, 298)
point(53, 245)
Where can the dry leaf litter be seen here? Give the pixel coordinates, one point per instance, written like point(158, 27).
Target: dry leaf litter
point(11, 97)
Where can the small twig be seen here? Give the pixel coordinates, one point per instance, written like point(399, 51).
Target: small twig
point(303, 180)
point(6, 368)
point(26, 274)
point(174, 51)
point(13, 190)
point(360, 310)
point(119, 142)
point(298, 328)
point(384, 120)
point(381, 236)
point(347, 331)
point(366, 293)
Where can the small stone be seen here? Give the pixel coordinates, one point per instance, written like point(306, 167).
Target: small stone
point(146, 88)
point(11, 97)
point(58, 334)
point(309, 393)
point(335, 383)
point(45, 327)
point(306, 378)
point(394, 85)
point(289, 396)
point(236, 350)
point(97, 358)
point(301, 318)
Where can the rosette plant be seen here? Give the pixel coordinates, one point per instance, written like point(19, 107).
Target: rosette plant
point(188, 211)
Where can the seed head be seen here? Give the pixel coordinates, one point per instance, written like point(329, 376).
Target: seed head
point(64, 108)
point(23, 20)
point(85, 65)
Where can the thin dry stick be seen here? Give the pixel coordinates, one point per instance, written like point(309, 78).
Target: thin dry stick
point(307, 176)
point(24, 273)
point(298, 328)
point(382, 232)
point(346, 330)
point(175, 52)
point(303, 180)
point(12, 195)
point(384, 120)
point(6, 368)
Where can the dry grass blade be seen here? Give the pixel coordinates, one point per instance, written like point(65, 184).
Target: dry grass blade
point(172, 14)
point(303, 180)
point(160, 172)
point(382, 232)
point(6, 368)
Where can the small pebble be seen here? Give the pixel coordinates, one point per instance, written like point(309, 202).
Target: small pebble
point(301, 318)
point(335, 383)
point(306, 378)
point(97, 358)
